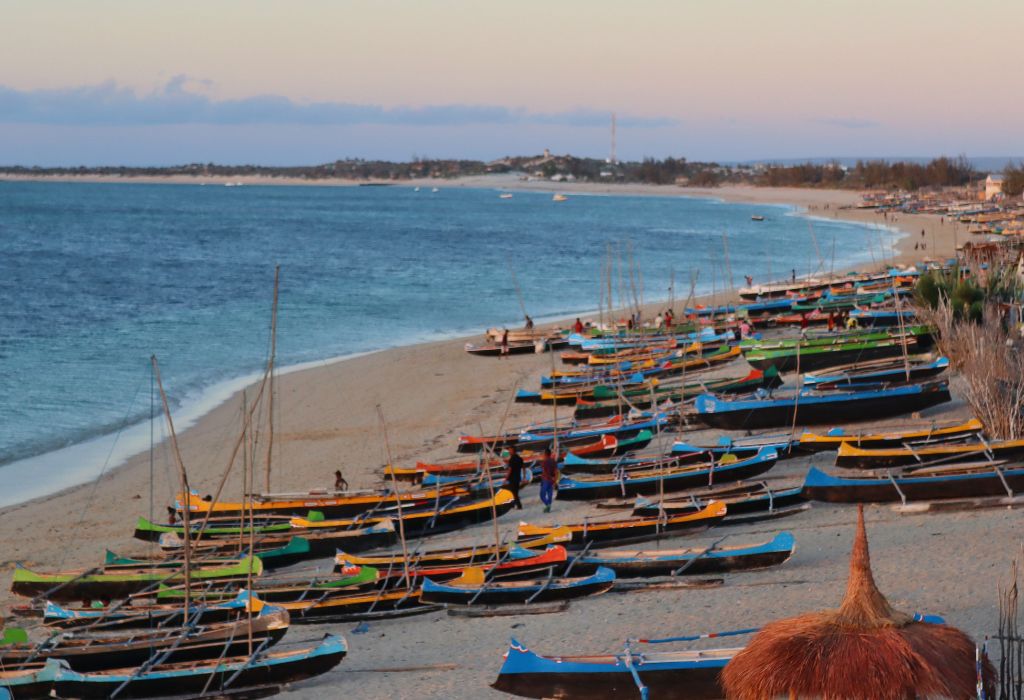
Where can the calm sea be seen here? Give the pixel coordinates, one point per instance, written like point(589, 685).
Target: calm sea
point(95, 278)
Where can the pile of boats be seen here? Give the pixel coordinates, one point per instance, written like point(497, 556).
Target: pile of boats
point(205, 611)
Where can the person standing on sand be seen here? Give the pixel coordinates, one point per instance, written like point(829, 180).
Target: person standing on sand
point(514, 477)
point(749, 279)
point(831, 321)
point(548, 479)
point(803, 325)
point(529, 323)
point(504, 342)
point(794, 274)
point(577, 327)
point(340, 483)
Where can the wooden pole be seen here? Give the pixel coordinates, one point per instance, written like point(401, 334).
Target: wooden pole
point(186, 491)
point(270, 372)
point(398, 500)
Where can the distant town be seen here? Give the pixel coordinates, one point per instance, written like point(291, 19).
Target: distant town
point(907, 176)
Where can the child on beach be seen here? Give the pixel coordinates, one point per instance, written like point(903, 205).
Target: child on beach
point(504, 342)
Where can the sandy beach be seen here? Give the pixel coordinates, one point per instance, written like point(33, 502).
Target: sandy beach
point(947, 564)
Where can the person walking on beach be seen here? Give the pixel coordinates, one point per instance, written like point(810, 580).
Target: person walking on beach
point(514, 477)
point(548, 479)
point(668, 319)
point(529, 322)
point(504, 342)
point(340, 483)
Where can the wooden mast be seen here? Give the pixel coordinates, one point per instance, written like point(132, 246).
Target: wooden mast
point(398, 499)
point(270, 374)
point(186, 492)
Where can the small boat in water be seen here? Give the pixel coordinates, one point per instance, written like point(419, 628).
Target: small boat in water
point(505, 195)
point(757, 217)
point(559, 198)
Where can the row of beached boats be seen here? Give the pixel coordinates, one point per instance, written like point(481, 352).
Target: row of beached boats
point(204, 612)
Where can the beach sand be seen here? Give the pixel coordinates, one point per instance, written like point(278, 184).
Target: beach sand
point(325, 419)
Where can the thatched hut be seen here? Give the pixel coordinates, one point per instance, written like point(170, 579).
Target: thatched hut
point(864, 650)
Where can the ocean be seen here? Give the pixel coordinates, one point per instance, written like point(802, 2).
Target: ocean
point(96, 278)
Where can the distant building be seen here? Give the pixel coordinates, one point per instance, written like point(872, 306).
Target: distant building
point(993, 186)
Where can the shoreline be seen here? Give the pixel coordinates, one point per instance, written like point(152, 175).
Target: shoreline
point(192, 411)
point(325, 419)
point(106, 453)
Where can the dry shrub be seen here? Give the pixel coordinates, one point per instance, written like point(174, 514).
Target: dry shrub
point(990, 362)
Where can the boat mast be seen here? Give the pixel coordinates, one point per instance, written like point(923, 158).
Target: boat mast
point(398, 498)
point(186, 491)
point(270, 374)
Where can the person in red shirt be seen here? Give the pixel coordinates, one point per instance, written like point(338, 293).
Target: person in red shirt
point(578, 326)
point(548, 479)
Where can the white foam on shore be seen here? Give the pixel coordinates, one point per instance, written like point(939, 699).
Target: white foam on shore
point(80, 463)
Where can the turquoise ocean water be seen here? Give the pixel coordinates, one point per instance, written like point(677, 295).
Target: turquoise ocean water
point(95, 278)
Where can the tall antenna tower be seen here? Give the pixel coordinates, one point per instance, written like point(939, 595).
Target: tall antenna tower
point(613, 160)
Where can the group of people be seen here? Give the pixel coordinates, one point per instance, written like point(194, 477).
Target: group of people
point(548, 477)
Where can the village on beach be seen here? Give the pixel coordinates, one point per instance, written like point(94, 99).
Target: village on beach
point(691, 462)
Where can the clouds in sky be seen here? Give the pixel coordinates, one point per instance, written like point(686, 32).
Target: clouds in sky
point(180, 102)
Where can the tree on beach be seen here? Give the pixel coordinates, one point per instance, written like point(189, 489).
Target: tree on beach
point(1013, 180)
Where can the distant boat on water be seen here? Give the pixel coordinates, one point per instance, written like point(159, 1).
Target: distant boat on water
point(415, 189)
point(505, 195)
point(435, 190)
point(559, 198)
point(757, 217)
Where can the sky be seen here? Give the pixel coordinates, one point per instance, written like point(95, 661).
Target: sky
point(158, 82)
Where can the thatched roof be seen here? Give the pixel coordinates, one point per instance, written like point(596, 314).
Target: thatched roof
point(865, 649)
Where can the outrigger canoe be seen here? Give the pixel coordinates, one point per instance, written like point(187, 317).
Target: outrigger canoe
point(340, 504)
point(623, 530)
point(919, 435)
point(650, 481)
point(675, 675)
point(264, 669)
point(472, 587)
point(957, 481)
point(811, 407)
point(853, 457)
point(99, 584)
point(692, 560)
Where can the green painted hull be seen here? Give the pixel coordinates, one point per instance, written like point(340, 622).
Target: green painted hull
point(104, 585)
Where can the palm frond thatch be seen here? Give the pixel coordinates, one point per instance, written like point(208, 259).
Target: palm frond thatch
point(863, 650)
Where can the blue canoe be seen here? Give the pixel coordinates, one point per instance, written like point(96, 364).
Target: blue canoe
point(32, 680)
point(692, 560)
point(966, 481)
point(810, 407)
point(676, 675)
point(656, 480)
point(894, 373)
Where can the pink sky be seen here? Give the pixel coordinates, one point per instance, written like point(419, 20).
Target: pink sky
point(709, 80)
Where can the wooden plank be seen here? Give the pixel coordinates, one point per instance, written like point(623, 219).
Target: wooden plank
point(510, 610)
